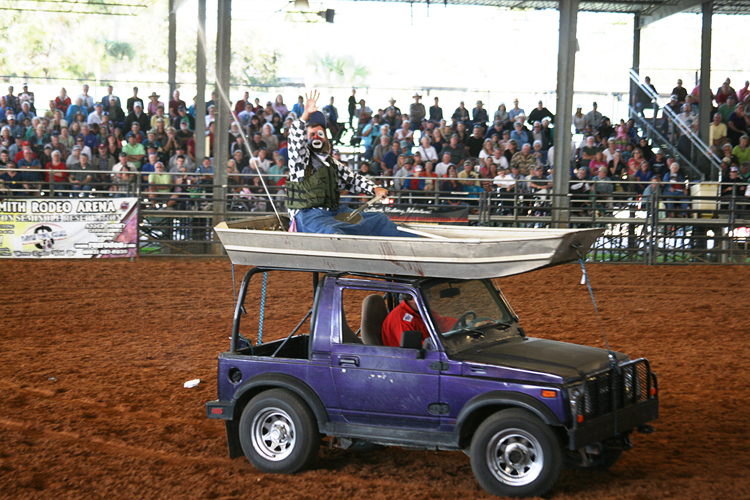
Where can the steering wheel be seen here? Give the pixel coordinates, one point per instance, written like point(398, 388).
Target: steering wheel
point(463, 321)
point(481, 321)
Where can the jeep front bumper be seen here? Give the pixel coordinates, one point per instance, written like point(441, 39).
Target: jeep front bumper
point(613, 402)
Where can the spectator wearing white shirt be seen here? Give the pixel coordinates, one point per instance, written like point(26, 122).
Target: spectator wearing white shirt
point(441, 169)
point(96, 115)
point(426, 150)
point(88, 101)
point(211, 116)
point(499, 159)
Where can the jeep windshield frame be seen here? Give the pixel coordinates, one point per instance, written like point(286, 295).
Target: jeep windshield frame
point(468, 314)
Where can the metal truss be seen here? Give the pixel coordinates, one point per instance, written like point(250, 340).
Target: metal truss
point(99, 7)
point(640, 7)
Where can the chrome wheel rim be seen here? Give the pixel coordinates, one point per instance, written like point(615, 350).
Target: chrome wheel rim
point(273, 434)
point(515, 457)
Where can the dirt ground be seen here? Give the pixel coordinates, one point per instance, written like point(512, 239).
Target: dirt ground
point(94, 354)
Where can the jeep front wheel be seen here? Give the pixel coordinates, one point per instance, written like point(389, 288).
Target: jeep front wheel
point(278, 432)
point(513, 453)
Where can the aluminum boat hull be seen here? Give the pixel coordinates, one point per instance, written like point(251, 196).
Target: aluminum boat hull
point(444, 251)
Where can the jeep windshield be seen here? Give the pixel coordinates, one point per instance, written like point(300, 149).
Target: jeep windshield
point(468, 314)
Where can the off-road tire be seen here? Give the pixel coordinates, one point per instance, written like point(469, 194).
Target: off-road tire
point(513, 453)
point(278, 432)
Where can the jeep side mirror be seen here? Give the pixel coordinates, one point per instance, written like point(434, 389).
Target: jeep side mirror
point(411, 339)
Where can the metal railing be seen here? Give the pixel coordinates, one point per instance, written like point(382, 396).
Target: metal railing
point(653, 132)
point(684, 129)
point(707, 223)
point(653, 229)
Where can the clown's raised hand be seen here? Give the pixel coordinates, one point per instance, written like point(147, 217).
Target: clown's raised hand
point(311, 104)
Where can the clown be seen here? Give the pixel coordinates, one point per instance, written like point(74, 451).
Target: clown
point(316, 179)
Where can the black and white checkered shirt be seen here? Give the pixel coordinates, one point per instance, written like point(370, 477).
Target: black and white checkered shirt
point(300, 155)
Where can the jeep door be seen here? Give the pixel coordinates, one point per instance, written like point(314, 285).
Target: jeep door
point(388, 386)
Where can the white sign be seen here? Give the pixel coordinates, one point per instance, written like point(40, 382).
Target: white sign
point(68, 227)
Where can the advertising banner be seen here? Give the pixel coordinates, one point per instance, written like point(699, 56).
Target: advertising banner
point(68, 227)
point(424, 213)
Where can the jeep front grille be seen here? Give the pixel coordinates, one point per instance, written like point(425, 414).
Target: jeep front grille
point(611, 390)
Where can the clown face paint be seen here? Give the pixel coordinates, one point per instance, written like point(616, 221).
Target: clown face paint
point(317, 139)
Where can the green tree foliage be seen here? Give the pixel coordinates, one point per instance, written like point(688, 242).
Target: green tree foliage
point(338, 69)
point(119, 50)
point(253, 63)
point(30, 45)
point(112, 48)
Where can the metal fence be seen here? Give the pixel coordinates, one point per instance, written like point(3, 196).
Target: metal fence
point(651, 229)
point(701, 226)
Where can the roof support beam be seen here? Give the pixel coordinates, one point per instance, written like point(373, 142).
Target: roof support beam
point(666, 11)
point(566, 65)
point(200, 82)
point(636, 56)
point(704, 86)
point(172, 48)
point(223, 108)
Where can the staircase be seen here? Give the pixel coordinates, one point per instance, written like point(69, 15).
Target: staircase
point(698, 149)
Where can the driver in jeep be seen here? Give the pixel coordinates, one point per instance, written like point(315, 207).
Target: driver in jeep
point(406, 317)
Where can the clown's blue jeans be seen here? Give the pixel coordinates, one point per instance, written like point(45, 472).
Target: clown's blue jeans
point(319, 220)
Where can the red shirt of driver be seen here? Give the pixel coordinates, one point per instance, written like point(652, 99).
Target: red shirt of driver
point(401, 319)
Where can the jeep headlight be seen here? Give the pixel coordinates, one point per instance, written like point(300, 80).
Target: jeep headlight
point(628, 383)
point(632, 384)
point(576, 398)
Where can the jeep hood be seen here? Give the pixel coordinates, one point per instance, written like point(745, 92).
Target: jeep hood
point(535, 360)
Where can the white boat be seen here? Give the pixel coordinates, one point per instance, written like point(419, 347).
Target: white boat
point(442, 251)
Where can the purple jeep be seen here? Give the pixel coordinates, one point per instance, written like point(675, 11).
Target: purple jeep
point(522, 408)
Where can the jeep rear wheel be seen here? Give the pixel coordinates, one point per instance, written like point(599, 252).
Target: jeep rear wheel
point(278, 432)
point(513, 453)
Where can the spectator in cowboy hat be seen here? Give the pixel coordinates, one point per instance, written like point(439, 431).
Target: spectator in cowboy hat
point(479, 115)
point(154, 103)
point(417, 112)
point(396, 109)
point(515, 111)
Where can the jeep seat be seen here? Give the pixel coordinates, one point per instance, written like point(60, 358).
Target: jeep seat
point(374, 313)
point(347, 335)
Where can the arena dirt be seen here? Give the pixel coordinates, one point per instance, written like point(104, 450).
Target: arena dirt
point(94, 354)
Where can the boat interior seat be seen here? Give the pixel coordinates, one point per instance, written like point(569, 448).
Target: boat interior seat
point(374, 313)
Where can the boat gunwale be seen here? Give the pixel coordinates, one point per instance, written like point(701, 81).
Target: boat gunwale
point(411, 258)
point(551, 234)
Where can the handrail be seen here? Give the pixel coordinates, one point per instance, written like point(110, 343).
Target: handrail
point(691, 135)
point(663, 140)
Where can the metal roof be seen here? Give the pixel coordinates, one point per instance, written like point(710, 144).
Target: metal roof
point(102, 7)
point(643, 8)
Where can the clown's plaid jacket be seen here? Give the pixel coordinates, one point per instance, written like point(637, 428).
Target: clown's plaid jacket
point(300, 155)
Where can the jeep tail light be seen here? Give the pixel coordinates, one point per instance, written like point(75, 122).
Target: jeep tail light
point(580, 419)
point(653, 391)
point(217, 411)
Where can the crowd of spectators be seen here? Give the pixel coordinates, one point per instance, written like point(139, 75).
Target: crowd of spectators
point(512, 155)
point(78, 146)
